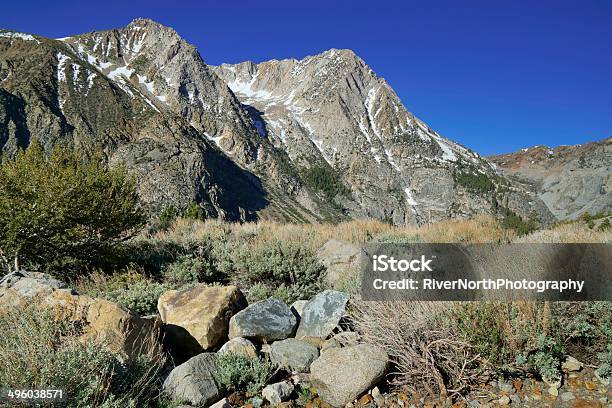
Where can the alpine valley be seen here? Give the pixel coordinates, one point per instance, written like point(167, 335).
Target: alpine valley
point(318, 139)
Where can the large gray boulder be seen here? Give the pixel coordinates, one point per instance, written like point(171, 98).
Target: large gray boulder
point(193, 381)
point(343, 261)
point(293, 354)
point(264, 321)
point(342, 374)
point(321, 316)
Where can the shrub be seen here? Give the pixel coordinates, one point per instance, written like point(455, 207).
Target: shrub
point(605, 363)
point(189, 269)
point(140, 297)
point(478, 182)
point(515, 222)
point(545, 358)
point(129, 288)
point(237, 372)
point(167, 216)
point(426, 355)
point(39, 351)
point(65, 212)
point(605, 225)
point(273, 264)
point(325, 180)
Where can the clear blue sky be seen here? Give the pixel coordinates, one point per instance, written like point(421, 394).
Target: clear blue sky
point(493, 75)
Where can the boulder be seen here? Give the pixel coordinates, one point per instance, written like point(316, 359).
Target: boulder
point(297, 308)
point(193, 381)
point(321, 316)
point(197, 319)
point(22, 286)
point(294, 355)
point(239, 345)
point(343, 261)
point(121, 330)
point(342, 339)
point(264, 321)
point(342, 374)
point(277, 393)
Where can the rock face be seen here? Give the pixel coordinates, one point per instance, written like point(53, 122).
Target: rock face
point(297, 308)
point(197, 319)
point(239, 345)
point(194, 381)
point(264, 321)
point(317, 139)
point(342, 374)
point(322, 315)
point(570, 180)
point(294, 355)
point(334, 117)
point(343, 261)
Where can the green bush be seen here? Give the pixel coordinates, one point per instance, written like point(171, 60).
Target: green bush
point(605, 363)
point(141, 296)
point(478, 182)
point(290, 267)
point(515, 222)
point(545, 358)
point(167, 216)
point(325, 180)
point(605, 225)
point(237, 372)
point(39, 351)
point(188, 269)
point(64, 212)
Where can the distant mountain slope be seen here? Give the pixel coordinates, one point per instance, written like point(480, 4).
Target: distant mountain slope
point(571, 180)
point(330, 112)
point(322, 138)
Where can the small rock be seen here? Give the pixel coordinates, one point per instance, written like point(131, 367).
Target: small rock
point(515, 399)
point(239, 345)
point(571, 364)
point(506, 387)
point(554, 391)
point(264, 321)
point(504, 400)
point(224, 403)
point(277, 393)
point(567, 396)
point(321, 315)
point(552, 382)
point(366, 399)
point(378, 397)
point(294, 355)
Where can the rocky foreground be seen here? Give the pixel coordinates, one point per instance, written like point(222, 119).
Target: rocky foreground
point(309, 341)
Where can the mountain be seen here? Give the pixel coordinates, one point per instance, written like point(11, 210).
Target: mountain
point(322, 138)
point(571, 180)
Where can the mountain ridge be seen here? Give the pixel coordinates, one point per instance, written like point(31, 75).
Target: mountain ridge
point(321, 138)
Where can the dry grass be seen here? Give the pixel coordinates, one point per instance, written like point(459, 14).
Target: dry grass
point(426, 355)
point(480, 229)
